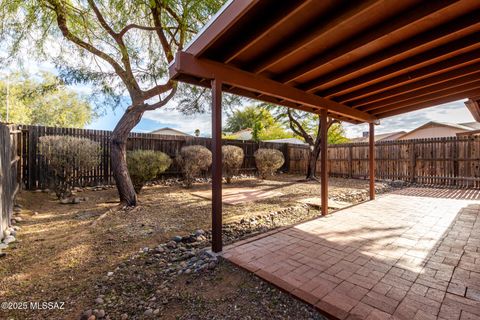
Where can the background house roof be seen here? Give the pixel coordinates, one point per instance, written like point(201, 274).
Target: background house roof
point(170, 131)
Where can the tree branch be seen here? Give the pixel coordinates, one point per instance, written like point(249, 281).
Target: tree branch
point(130, 79)
point(299, 129)
point(162, 102)
point(158, 89)
point(135, 26)
point(102, 20)
point(156, 14)
point(62, 24)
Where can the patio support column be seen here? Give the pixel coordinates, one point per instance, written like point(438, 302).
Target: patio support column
point(323, 160)
point(371, 159)
point(216, 165)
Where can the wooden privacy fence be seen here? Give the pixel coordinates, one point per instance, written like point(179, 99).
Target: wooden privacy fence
point(9, 174)
point(35, 173)
point(441, 161)
point(450, 161)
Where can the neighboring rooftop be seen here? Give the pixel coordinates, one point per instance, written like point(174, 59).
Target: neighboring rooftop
point(170, 131)
point(287, 140)
point(379, 137)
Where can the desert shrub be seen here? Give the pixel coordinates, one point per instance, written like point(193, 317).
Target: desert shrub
point(193, 160)
point(66, 155)
point(232, 159)
point(146, 165)
point(268, 161)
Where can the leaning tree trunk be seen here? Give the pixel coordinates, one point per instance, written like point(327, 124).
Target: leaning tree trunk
point(118, 156)
point(312, 161)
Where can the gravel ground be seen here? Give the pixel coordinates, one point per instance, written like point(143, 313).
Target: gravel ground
point(67, 252)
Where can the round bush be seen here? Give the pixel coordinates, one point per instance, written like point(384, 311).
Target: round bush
point(193, 160)
point(268, 161)
point(146, 165)
point(66, 155)
point(232, 159)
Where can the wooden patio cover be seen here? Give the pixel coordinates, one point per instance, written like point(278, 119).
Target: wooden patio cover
point(358, 61)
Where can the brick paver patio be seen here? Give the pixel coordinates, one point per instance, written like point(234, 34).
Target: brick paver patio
point(413, 254)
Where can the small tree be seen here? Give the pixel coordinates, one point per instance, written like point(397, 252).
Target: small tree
point(66, 155)
point(146, 165)
point(232, 159)
point(268, 161)
point(193, 160)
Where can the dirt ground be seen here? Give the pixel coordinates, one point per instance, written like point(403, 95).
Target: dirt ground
point(62, 250)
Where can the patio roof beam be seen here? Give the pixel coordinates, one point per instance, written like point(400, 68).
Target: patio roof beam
point(265, 29)
point(474, 107)
point(423, 83)
point(186, 64)
point(454, 83)
point(424, 59)
point(449, 29)
point(297, 42)
point(427, 97)
point(475, 93)
point(376, 32)
point(456, 62)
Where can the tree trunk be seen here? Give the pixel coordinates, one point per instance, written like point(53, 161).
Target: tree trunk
point(312, 161)
point(118, 154)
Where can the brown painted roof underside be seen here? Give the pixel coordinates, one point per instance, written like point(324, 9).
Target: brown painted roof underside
point(381, 57)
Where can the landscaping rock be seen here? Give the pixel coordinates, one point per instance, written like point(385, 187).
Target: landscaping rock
point(199, 232)
point(148, 313)
point(99, 300)
point(398, 183)
point(3, 246)
point(9, 240)
point(177, 239)
point(100, 313)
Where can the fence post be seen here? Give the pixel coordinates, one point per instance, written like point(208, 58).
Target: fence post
point(287, 157)
point(413, 162)
point(350, 161)
point(455, 162)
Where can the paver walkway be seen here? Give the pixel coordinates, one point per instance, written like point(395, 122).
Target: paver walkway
point(413, 254)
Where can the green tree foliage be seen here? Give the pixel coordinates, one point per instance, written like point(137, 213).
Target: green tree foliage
point(264, 126)
point(43, 100)
point(248, 118)
point(307, 126)
point(275, 132)
point(116, 45)
point(336, 134)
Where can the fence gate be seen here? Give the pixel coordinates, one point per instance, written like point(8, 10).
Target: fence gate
point(10, 145)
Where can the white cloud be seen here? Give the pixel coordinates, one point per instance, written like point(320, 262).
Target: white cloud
point(453, 112)
point(167, 117)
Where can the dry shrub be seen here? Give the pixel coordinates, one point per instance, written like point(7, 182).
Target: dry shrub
point(193, 160)
point(232, 159)
point(66, 155)
point(268, 161)
point(146, 165)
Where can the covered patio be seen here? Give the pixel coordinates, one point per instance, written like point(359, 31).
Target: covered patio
point(359, 62)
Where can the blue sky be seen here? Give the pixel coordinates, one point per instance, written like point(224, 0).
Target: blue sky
point(454, 112)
